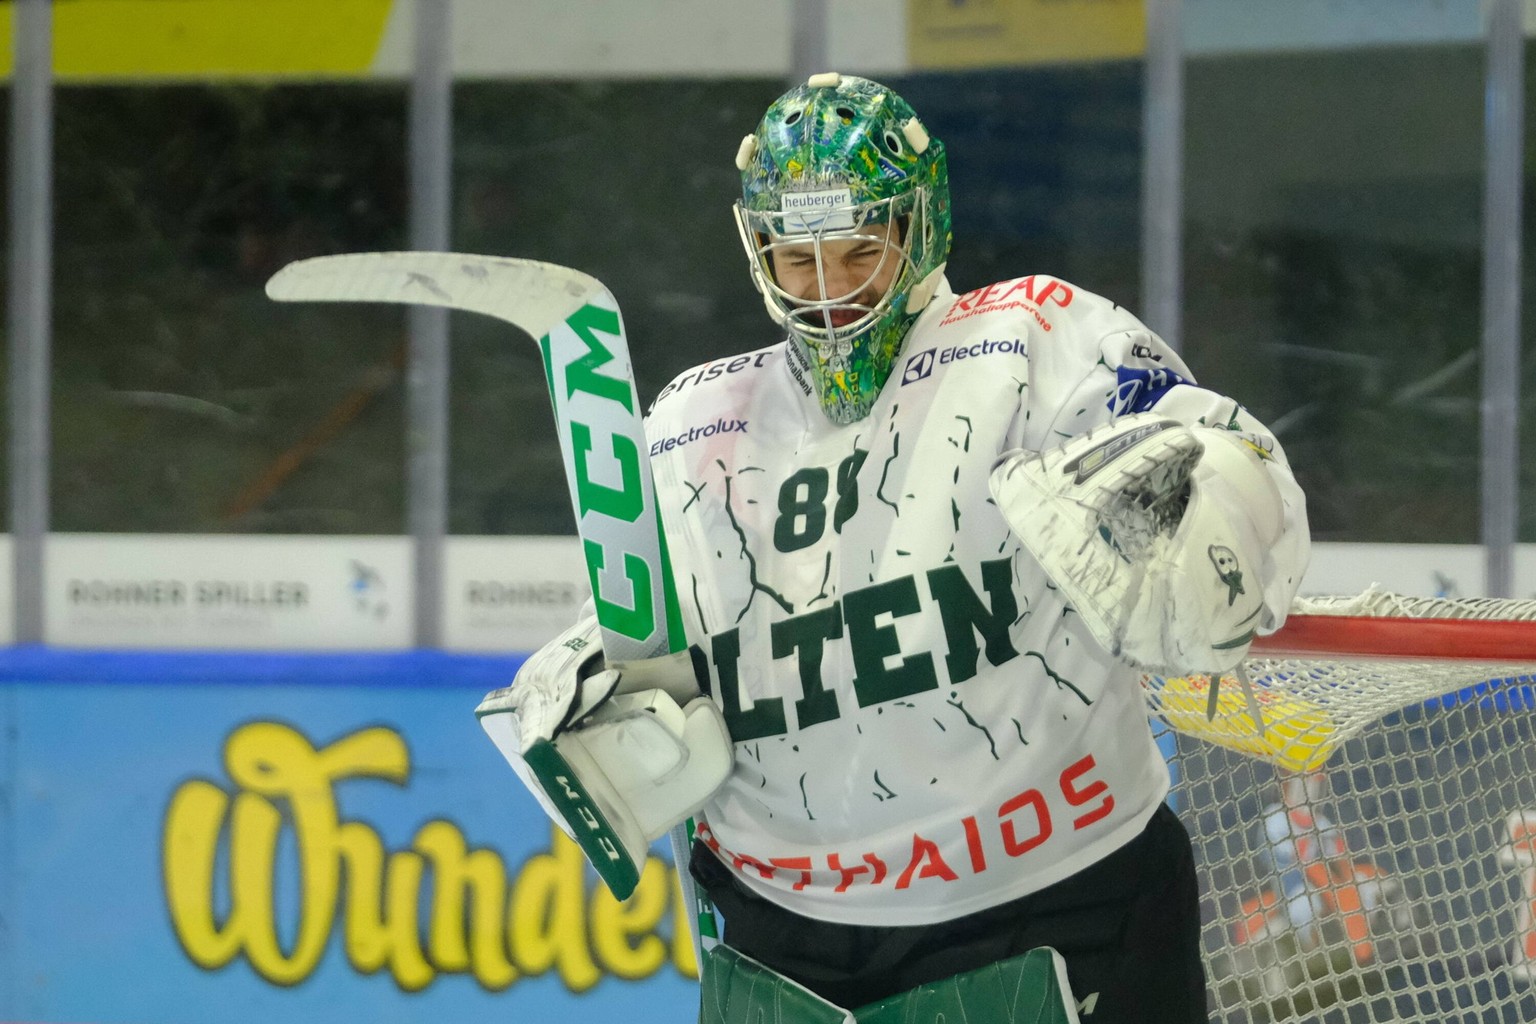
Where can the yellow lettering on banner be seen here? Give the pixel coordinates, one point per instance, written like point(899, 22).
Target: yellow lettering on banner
point(273, 762)
point(624, 934)
point(547, 918)
point(467, 888)
point(132, 39)
point(994, 33)
point(551, 916)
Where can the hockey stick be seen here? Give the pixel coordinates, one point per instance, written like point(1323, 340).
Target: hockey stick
point(580, 333)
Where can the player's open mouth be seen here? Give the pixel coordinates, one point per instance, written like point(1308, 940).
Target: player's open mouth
point(841, 316)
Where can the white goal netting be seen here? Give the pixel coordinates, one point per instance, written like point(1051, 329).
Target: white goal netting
point(1370, 855)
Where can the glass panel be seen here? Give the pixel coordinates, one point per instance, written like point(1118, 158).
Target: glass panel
point(629, 182)
point(1332, 273)
point(1527, 407)
point(632, 182)
point(184, 400)
point(1045, 172)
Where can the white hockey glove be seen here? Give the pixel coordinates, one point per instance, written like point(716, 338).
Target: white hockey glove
point(1155, 532)
point(616, 755)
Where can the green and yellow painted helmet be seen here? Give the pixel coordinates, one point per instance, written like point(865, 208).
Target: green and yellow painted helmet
point(838, 161)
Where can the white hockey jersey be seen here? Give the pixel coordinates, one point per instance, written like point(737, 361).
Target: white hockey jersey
point(922, 726)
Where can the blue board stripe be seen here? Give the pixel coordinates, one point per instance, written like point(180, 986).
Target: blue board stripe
point(413, 669)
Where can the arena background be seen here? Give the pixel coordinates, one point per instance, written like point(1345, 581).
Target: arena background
point(265, 559)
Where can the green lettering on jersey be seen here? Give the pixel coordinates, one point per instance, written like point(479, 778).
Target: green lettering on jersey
point(872, 645)
point(847, 489)
point(809, 634)
point(964, 615)
point(767, 715)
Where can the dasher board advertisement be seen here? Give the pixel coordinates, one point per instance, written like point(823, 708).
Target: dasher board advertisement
point(228, 592)
point(1007, 33)
point(287, 592)
point(199, 839)
point(511, 593)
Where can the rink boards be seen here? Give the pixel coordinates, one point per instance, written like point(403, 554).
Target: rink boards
point(194, 838)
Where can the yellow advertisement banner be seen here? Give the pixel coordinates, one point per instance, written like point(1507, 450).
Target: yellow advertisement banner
point(994, 33)
point(178, 39)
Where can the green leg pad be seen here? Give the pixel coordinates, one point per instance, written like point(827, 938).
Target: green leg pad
point(1028, 989)
point(736, 989)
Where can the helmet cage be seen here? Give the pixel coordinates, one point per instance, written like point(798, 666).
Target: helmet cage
point(767, 233)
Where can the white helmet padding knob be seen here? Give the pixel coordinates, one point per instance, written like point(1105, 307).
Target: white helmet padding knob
point(745, 152)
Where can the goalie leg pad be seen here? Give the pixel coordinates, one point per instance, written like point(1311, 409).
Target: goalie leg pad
point(736, 989)
point(1027, 989)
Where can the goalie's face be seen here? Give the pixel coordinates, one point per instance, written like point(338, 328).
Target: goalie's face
point(839, 281)
point(832, 283)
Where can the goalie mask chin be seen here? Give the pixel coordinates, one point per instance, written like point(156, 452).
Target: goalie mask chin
point(844, 216)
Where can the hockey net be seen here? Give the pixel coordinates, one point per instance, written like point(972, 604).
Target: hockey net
point(1370, 853)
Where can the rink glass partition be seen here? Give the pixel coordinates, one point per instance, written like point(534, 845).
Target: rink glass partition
point(1331, 272)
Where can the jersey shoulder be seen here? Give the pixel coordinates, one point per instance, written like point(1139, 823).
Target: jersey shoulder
point(1038, 299)
point(1026, 318)
point(702, 382)
point(1063, 322)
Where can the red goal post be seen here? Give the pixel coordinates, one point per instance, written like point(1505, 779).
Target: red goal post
point(1380, 624)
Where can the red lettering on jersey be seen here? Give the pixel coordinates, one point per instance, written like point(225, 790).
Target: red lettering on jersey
point(1062, 293)
point(1011, 842)
point(871, 863)
point(738, 860)
point(965, 302)
point(994, 297)
point(988, 295)
point(1079, 797)
point(702, 831)
point(927, 862)
point(973, 844)
point(1024, 823)
point(800, 864)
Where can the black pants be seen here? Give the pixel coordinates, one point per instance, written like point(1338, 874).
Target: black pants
point(1127, 926)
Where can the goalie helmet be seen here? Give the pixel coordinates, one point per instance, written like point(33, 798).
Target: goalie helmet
point(839, 163)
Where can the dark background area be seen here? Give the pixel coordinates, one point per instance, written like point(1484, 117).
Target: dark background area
point(1331, 269)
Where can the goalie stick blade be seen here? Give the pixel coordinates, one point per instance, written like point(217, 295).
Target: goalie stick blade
point(531, 295)
point(580, 334)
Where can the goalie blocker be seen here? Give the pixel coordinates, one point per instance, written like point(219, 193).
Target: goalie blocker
point(615, 754)
point(1155, 532)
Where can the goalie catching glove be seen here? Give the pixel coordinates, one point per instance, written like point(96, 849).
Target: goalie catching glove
point(1155, 532)
point(615, 754)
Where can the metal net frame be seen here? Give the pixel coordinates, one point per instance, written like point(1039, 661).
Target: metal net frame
point(1370, 853)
